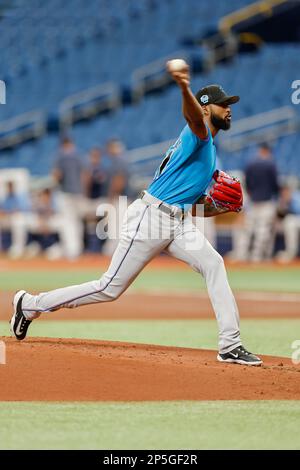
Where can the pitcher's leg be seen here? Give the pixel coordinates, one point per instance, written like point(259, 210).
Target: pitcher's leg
point(132, 254)
point(193, 248)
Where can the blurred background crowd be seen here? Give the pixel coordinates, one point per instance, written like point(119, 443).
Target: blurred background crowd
point(59, 216)
point(90, 111)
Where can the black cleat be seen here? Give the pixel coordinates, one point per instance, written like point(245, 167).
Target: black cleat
point(19, 323)
point(240, 355)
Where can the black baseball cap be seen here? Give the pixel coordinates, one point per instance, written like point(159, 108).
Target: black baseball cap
point(215, 94)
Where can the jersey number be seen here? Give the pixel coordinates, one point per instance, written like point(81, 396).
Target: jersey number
point(167, 158)
point(164, 163)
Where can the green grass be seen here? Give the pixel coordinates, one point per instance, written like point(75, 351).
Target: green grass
point(261, 279)
point(273, 337)
point(161, 425)
point(168, 425)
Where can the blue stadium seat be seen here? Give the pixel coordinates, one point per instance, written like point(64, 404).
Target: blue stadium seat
point(50, 50)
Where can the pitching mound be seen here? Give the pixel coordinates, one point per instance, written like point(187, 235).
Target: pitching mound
point(64, 369)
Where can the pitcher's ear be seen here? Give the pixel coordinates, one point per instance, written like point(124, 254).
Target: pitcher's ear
point(206, 110)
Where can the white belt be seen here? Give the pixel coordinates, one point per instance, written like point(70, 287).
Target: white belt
point(173, 211)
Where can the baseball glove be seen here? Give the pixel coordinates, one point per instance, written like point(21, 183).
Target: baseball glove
point(226, 193)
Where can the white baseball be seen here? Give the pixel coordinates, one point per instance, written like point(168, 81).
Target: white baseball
point(176, 65)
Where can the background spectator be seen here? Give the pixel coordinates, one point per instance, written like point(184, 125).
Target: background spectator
point(68, 174)
point(46, 219)
point(97, 175)
point(42, 219)
point(118, 187)
point(12, 207)
point(289, 214)
point(68, 168)
point(261, 181)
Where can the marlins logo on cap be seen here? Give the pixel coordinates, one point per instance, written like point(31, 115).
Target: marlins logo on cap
point(215, 94)
point(204, 99)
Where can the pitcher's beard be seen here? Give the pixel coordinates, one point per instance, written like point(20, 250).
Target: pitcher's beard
point(220, 123)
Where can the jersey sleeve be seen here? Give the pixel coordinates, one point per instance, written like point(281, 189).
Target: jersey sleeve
point(191, 141)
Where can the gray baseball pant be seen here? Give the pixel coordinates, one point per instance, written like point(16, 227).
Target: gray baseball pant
point(146, 232)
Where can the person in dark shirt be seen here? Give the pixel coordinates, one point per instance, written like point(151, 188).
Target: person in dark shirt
point(117, 191)
point(68, 168)
point(261, 177)
point(68, 174)
point(118, 185)
point(262, 186)
point(97, 175)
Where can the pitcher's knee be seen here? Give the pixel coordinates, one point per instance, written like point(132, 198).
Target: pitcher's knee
point(214, 261)
point(114, 294)
point(108, 290)
point(109, 295)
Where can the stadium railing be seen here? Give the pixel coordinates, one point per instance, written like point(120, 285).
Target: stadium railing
point(31, 125)
point(154, 76)
point(88, 103)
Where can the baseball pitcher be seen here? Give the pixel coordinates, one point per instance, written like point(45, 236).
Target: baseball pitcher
point(161, 219)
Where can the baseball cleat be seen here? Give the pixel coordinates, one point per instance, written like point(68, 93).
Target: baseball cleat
point(19, 323)
point(240, 355)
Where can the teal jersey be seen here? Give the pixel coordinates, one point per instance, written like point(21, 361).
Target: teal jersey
point(186, 170)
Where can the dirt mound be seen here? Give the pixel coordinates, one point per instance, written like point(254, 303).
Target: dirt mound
point(63, 369)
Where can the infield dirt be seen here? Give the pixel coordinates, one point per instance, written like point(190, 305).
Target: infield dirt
point(44, 369)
